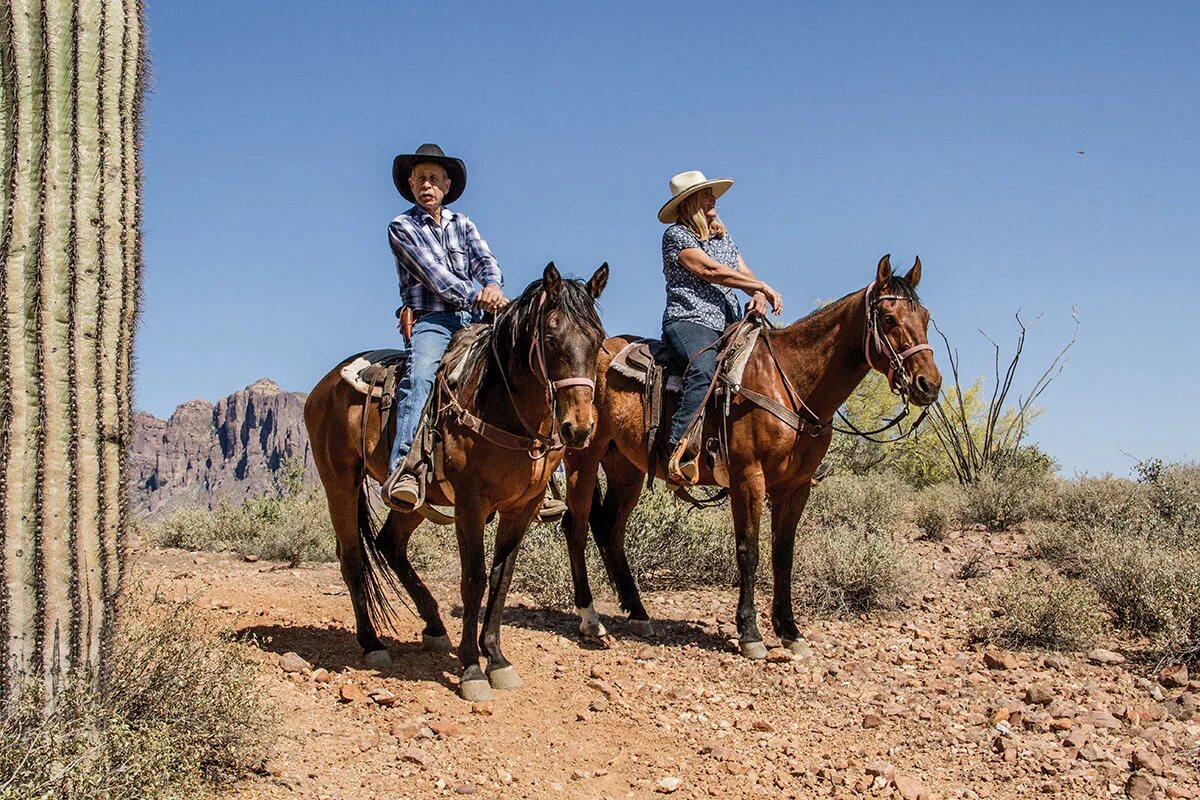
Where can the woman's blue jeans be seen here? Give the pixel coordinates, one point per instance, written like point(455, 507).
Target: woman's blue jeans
point(686, 339)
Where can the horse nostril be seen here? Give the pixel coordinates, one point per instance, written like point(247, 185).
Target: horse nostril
point(923, 385)
point(568, 430)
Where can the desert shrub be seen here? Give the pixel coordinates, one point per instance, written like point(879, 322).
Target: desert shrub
point(1174, 494)
point(543, 571)
point(844, 570)
point(178, 714)
point(1098, 506)
point(975, 566)
point(861, 503)
point(938, 509)
point(1006, 493)
point(291, 526)
point(671, 545)
point(1044, 611)
point(1061, 545)
point(1149, 588)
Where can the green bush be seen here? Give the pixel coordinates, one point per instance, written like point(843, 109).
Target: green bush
point(671, 545)
point(1044, 611)
point(178, 715)
point(938, 510)
point(843, 570)
point(1149, 588)
point(1105, 506)
point(863, 503)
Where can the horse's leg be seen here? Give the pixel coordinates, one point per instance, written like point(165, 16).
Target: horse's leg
point(469, 520)
point(582, 473)
point(608, 526)
point(393, 541)
point(785, 515)
point(747, 500)
point(509, 533)
point(343, 497)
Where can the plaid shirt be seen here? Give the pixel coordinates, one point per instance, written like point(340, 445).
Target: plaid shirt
point(436, 263)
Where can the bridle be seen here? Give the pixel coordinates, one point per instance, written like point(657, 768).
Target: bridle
point(534, 443)
point(895, 372)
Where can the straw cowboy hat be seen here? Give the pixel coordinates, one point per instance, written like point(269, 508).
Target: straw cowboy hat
point(402, 167)
point(686, 184)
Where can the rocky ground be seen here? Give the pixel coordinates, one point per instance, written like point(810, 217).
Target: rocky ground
point(900, 704)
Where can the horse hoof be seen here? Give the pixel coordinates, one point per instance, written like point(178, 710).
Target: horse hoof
point(798, 647)
point(436, 644)
point(477, 690)
point(378, 659)
point(590, 626)
point(755, 651)
point(504, 678)
point(642, 627)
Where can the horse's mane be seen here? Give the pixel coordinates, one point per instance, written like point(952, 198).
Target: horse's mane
point(572, 298)
point(897, 286)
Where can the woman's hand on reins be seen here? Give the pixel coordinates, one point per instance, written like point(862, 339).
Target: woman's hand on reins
point(769, 297)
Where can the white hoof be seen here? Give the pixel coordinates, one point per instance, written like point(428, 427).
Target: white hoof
point(642, 627)
point(378, 659)
point(590, 625)
point(798, 647)
point(476, 691)
point(436, 644)
point(505, 678)
point(755, 651)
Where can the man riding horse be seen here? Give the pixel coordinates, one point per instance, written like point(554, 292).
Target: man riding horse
point(440, 257)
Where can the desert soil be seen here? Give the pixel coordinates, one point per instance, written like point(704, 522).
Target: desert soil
point(896, 704)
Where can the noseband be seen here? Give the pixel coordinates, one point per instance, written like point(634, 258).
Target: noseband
point(897, 375)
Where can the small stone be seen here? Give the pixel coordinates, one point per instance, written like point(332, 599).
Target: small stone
point(645, 653)
point(1145, 759)
point(668, 785)
point(1107, 657)
point(415, 755)
point(599, 704)
point(580, 775)
point(321, 675)
point(1076, 739)
point(291, 662)
point(251, 558)
point(998, 659)
point(779, 655)
point(1055, 661)
point(1099, 719)
point(909, 788)
point(465, 788)
point(383, 697)
point(763, 726)
point(405, 730)
point(504, 776)
point(872, 720)
point(1039, 695)
point(445, 728)
point(1175, 677)
point(1139, 785)
point(881, 768)
point(482, 709)
point(352, 693)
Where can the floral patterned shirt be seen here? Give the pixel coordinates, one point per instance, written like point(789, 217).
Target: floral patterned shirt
point(689, 297)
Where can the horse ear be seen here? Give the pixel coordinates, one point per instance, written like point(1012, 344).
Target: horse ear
point(551, 280)
point(914, 275)
point(598, 281)
point(883, 274)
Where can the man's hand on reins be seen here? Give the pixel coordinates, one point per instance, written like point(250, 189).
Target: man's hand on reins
point(491, 298)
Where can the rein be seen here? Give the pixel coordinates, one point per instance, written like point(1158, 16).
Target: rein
point(897, 375)
point(533, 443)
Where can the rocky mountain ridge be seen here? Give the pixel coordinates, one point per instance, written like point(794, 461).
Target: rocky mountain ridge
point(207, 452)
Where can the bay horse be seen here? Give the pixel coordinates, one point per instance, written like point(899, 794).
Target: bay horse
point(806, 371)
point(502, 433)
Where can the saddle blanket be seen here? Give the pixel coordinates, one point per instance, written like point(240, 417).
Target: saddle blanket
point(370, 371)
point(636, 360)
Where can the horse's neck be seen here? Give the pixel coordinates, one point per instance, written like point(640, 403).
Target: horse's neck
point(822, 354)
point(527, 402)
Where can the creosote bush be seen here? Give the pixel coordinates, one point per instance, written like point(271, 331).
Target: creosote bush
point(848, 570)
point(870, 504)
point(1044, 611)
point(178, 714)
point(938, 510)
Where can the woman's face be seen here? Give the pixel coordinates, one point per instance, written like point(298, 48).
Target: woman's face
point(707, 202)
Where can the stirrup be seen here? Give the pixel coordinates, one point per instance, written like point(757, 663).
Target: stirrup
point(686, 473)
point(404, 505)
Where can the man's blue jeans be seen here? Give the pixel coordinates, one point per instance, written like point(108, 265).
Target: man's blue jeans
point(686, 340)
point(430, 337)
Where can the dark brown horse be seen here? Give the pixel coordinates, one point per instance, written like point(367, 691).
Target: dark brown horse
point(809, 370)
point(532, 394)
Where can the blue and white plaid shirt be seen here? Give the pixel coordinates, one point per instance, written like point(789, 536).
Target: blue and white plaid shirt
point(437, 263)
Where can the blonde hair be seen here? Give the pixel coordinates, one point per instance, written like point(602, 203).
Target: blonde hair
point(693, 217)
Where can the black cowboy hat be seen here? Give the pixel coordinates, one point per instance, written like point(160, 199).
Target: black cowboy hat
point(402, 167)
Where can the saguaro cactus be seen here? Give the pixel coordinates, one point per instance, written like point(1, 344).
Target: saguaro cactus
point(71, 79)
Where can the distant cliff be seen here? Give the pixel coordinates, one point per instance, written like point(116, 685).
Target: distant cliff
point(204, 452)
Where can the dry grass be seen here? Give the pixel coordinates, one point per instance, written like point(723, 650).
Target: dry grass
point(1044, 611)
point(178, 715)
point(938, 510)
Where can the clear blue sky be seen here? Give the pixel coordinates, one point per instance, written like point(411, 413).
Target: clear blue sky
point(909, 128)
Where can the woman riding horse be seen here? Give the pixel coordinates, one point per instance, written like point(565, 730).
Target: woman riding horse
point(702, 267)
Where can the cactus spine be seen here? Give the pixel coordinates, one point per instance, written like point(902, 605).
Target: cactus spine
point(71, 79)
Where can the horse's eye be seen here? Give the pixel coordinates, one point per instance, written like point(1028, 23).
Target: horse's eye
point(890, 320)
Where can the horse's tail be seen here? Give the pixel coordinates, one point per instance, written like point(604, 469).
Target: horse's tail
point(380, 581)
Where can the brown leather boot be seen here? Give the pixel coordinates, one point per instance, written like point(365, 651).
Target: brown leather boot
point(682, 468)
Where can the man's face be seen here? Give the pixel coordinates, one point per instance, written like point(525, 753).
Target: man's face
point(429, 184)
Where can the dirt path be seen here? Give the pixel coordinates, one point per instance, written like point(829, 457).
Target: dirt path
point(900, 705)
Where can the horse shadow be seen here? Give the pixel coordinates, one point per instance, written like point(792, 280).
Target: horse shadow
point(674, 632)
point(334, 649)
